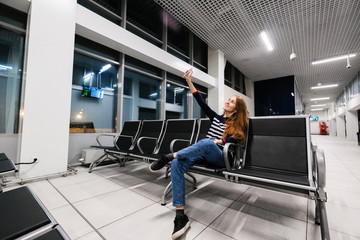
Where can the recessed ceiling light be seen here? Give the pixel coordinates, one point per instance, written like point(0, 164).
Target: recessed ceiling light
point(317, 99)
point(316, 109)
point(324, 86)
point(325, 60)
point(318, 105)
point(266, 40)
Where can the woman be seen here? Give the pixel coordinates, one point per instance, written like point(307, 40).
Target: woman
point(231, 126)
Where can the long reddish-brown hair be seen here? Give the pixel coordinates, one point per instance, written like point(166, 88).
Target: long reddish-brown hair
point(237, 123)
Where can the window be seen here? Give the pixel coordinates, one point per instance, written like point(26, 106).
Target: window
point(178, 39)
point(11, 64)
point(141, 91)
point(94, 91)
point(200, 54)
point(109, 9)
point(234, 78)
point(144, 18)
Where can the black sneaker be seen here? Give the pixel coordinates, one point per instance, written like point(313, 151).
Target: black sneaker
point(181, 223)
point(159, 164)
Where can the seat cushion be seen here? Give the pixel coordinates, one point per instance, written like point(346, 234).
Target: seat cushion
point(6, 165)
point(20, 213)
point(300, 179)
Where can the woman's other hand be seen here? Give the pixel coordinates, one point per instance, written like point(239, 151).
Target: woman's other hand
point(188, 74)
point(218, 141)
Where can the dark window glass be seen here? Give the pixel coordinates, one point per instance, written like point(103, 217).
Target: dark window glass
point(96, 48)
point(102, 7)
point(135, 63)
point(147, 114)
point(147, 15)
point(231, 73)
point(11, 64)
point(200, 53)
point(178, 36)
point(127, 87)
point(12, 16)
point(173, 115)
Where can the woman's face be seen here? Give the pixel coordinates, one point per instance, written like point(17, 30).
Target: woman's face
point(230, 105)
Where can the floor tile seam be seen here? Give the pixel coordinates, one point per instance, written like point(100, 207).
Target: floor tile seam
point(214, 230)
point(132, 190)
point(128, 215)
point(347, 234)
point(98, 195)
point(208, 225)
point(127, 187)
point(78, 212)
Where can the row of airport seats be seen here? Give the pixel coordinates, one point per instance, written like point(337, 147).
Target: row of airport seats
point(22, 214)
point(278, 155)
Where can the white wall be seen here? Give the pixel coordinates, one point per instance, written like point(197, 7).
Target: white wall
point(314, 125)
point(352, 126)
point(340, 126)
point(229, 92)
point(45, 135)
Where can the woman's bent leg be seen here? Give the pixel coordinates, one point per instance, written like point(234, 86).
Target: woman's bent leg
point(204, 148)
point(178, 168)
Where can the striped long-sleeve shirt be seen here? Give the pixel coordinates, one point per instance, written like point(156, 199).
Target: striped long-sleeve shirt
point(218, 125)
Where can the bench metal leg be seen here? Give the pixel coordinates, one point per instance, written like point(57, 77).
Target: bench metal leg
point(99, 161)
point(165, 193)
point(321, 218)
point(194, 182)
point(167, 172)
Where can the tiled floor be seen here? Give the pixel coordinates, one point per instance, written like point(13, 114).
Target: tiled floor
point(124, 203)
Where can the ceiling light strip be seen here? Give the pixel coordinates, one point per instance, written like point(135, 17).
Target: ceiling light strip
point(325, 86)
point(317, 99)
point(325, 60)
point(318, 105)
point(266, 40)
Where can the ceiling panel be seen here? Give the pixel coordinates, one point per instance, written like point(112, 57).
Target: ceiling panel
point(315, 29)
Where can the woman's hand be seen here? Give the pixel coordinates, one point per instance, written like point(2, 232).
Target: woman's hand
point(218, 141)
point(188, 74)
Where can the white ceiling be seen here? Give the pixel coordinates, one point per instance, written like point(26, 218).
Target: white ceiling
point(315, 28)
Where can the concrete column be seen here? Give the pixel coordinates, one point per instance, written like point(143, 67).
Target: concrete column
point(48, 81)
point(352, 126)
point(216, 66)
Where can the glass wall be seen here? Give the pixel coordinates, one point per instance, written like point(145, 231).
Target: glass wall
point(176, 97)
point(11, 67)
point(109, 9)
point(142, 91)
point(94, 92)
point(353, 88)
point(150, 21)
point(142, 96)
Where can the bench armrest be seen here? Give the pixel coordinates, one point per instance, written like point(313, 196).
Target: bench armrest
point(178, 144)
point(104, 135)
point(321, 168)
point(230, 154)
point(313, 146)
point(147, 143)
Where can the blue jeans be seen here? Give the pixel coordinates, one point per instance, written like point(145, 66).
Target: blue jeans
point(206, 150)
